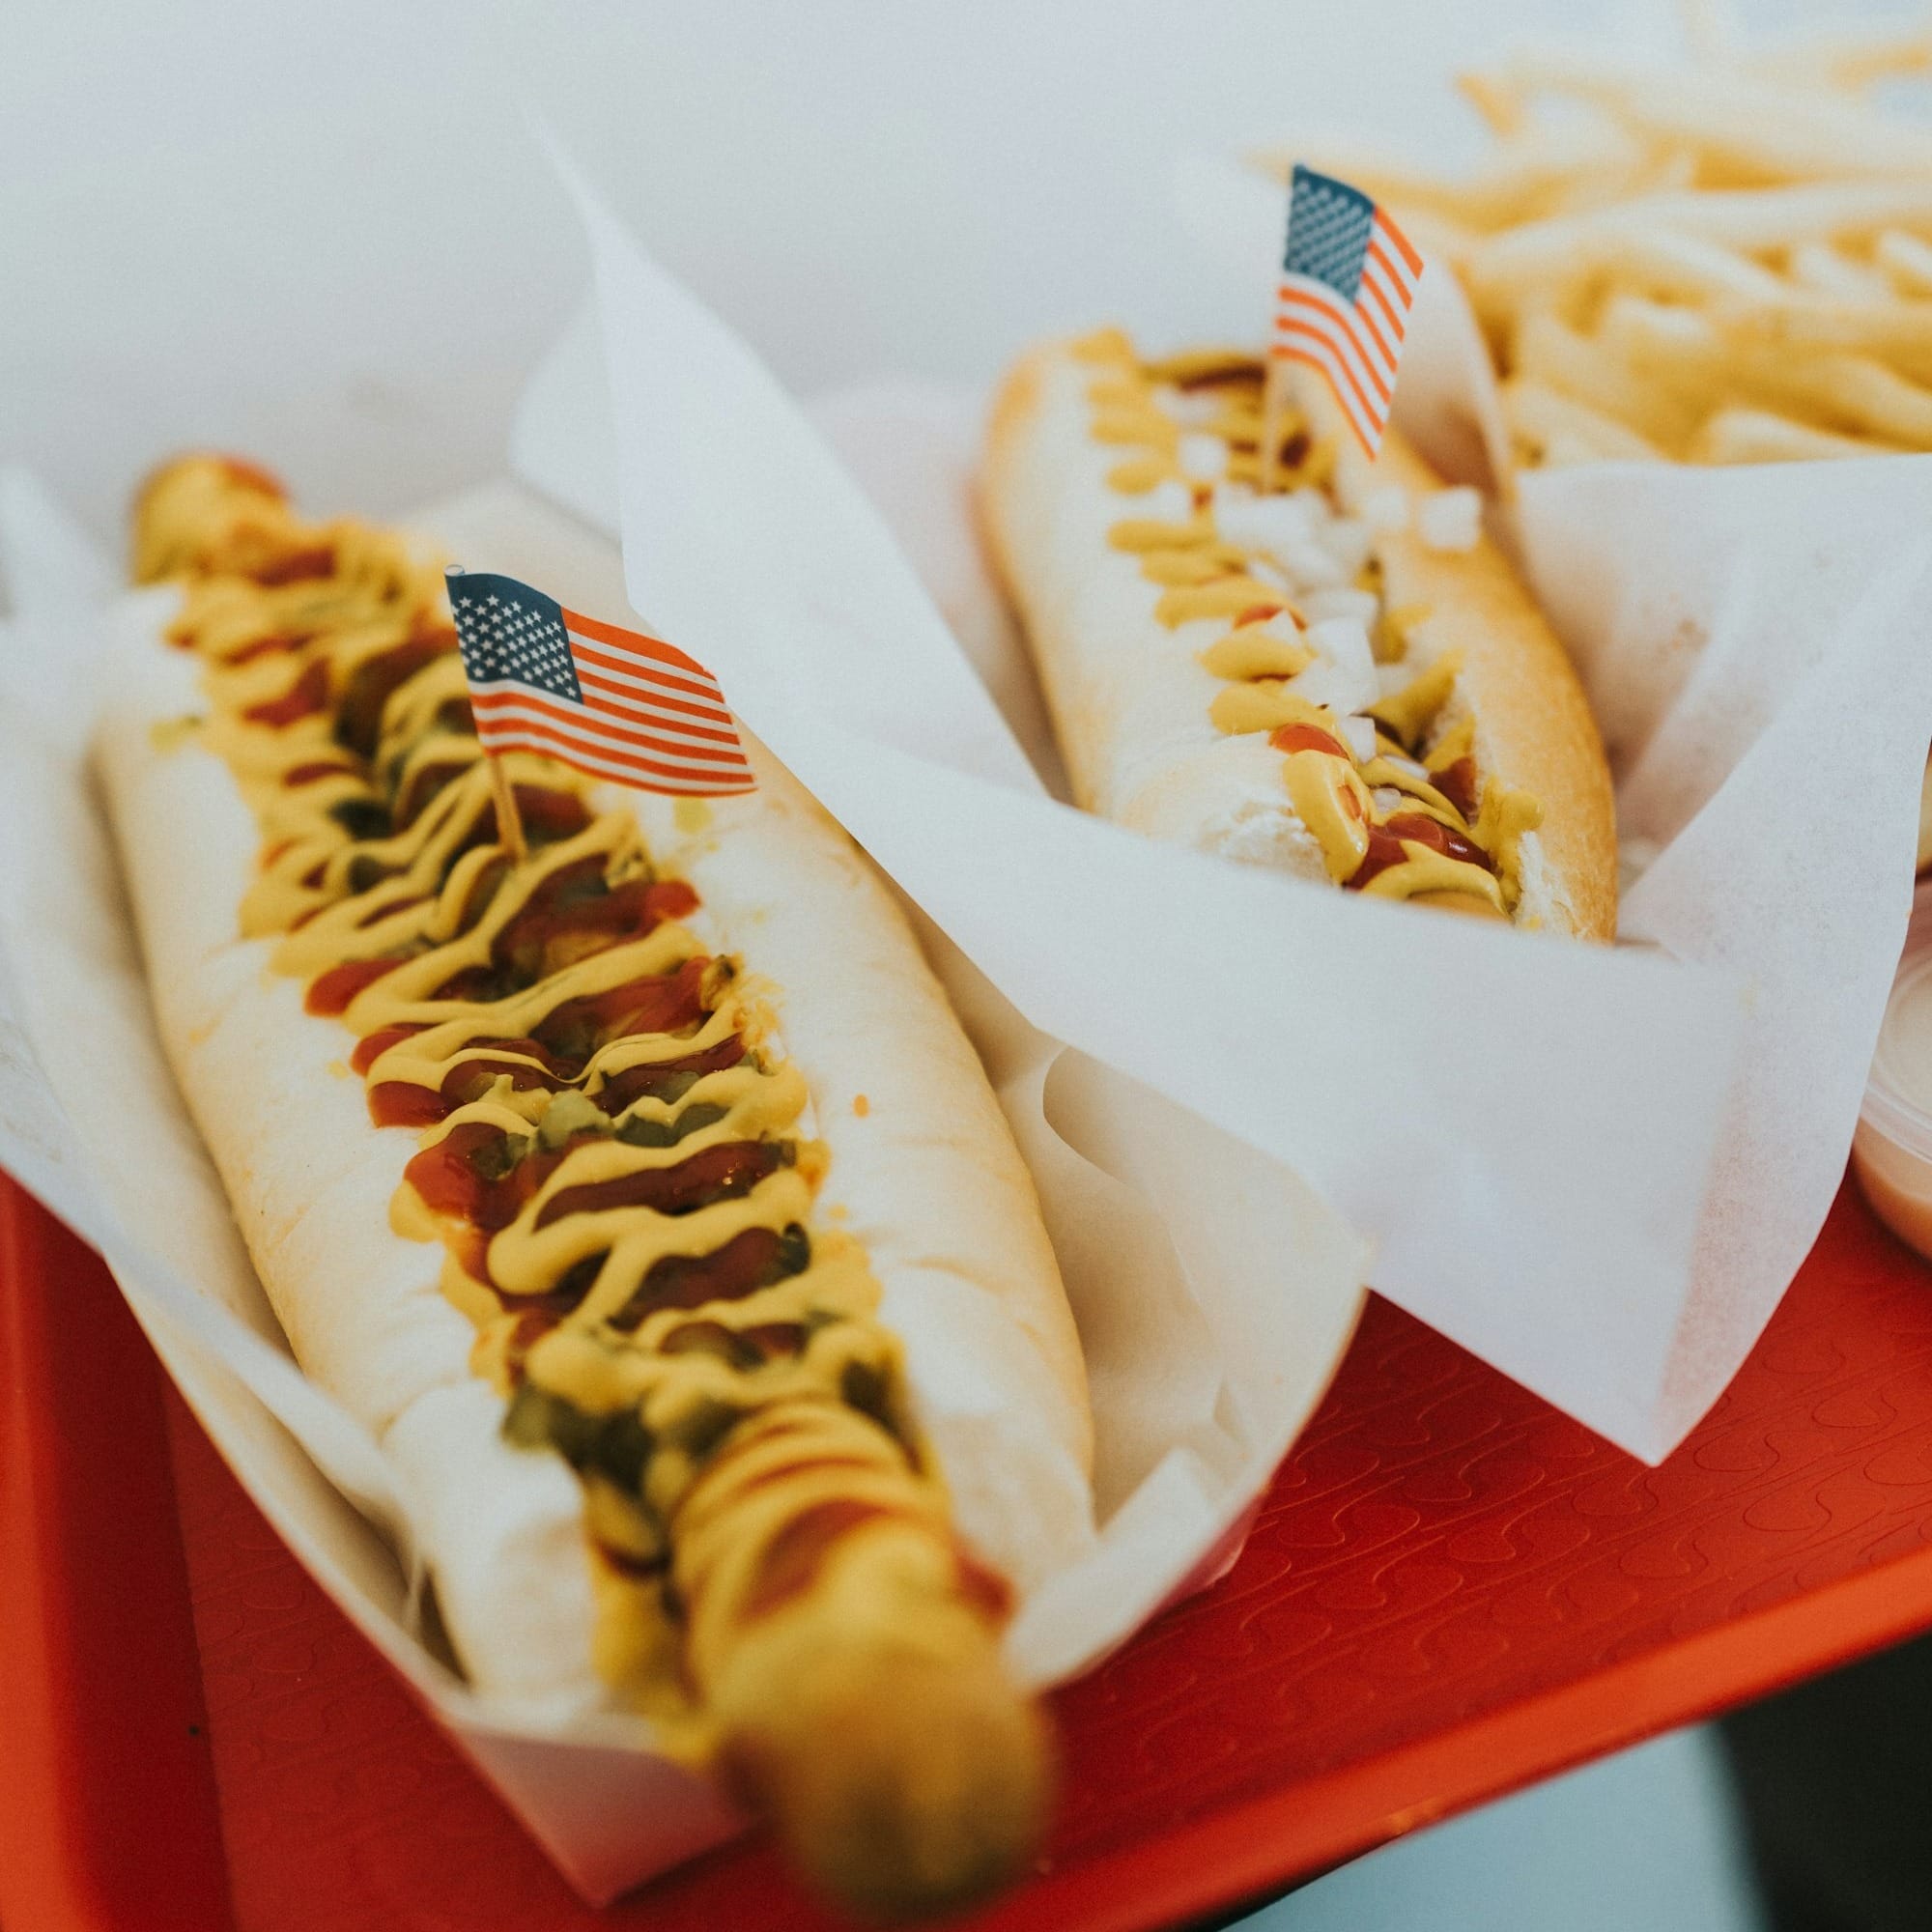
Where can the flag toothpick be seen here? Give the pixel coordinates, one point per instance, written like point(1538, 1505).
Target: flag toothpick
point(1348, 277)
point(615, 703)
point(509, 817)
point(1274, 380)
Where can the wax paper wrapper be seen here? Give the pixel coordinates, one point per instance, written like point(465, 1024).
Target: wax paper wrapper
point(1214, 1303)
point(1757, 643)
point(1523, 1127)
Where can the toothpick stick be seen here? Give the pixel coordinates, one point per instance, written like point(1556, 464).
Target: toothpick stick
point(509, 820)
point(1271, 401)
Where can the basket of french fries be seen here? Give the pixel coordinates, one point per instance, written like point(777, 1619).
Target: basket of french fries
point(1723, 264)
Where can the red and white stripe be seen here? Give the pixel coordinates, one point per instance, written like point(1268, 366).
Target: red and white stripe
point(1357, 345)
point(651, 717)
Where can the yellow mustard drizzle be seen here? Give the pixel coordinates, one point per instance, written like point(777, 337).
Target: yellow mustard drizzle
point(1343, 799)
point(622, 1332)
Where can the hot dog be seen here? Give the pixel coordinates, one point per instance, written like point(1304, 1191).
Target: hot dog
point(644, 1198)
point(1337, 676)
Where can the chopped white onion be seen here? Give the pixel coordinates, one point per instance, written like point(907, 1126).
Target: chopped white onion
point(1350, 542)
point(1359, 734)
point(1272, 525)
point(1450, 520)
point(1169, 501)
point(1364, 607)
point(1328, 685)
point(1386, 798)
point(1310, 565)
point(1386, 507)
point(1346, 639)
point(1204, 457)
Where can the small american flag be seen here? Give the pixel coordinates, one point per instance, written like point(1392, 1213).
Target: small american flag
point(1348, 277)
point(615, 703)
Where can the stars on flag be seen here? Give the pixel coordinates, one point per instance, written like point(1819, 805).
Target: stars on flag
point(615, 703)
point(1348, 278)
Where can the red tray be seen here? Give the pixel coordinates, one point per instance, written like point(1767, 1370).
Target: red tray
point(1452, 1591)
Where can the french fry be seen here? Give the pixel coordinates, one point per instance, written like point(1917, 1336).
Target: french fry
point(1893, 329)
point(1528, 178)
point(1547, 421)
point(1843, 392)
point(1678, 350)
point(1864, 395)
point(1694, 356)
point(1851, 62)
point(1676, 347)
point(1587, 371)
point(1758, 221)
point(1673, 262)
point(1653, 169)
point(1829, 272)
point(1552, 257)
point(1906, 259)
point(1500, 106)
point(1756, 127)
point(1762, 436)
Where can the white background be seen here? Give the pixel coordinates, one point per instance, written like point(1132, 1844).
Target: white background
point(321, 233)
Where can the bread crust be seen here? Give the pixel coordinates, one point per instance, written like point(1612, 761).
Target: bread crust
point(1131, 701)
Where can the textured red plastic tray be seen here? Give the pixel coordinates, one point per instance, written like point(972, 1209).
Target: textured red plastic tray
point(1452, 1591)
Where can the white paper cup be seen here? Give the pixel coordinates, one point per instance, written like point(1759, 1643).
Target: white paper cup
point(1892, 1151)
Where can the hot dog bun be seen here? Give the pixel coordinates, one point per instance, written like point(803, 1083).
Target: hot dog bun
point(858, 1536)
point(1117, 500)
